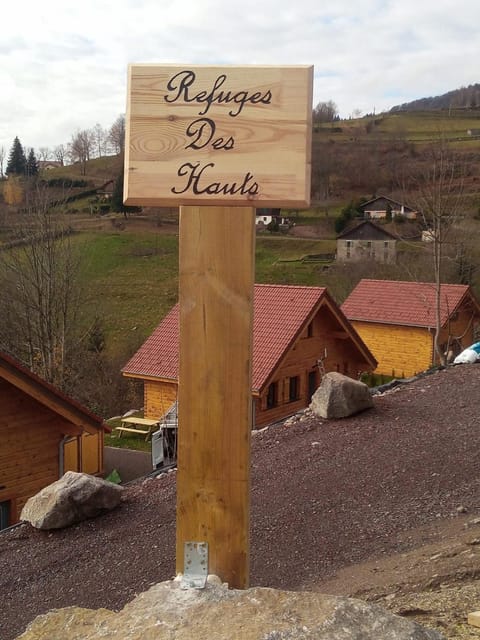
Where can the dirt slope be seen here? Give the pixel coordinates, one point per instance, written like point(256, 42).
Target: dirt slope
point(383, 505)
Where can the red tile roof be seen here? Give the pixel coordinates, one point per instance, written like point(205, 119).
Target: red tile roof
point(280, 314)
point(404, 303)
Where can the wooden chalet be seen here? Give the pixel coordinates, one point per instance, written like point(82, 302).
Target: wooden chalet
point(43, 433)
point(380, 207)
point(299, 333)
point(366, 241)
point(397, 322)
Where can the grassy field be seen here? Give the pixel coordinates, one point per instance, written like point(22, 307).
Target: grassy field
point(129, 279)
point(411, 126)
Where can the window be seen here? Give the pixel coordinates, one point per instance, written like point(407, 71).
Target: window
point(272, 395)
point(294, 389)
point(349, 247)
point(312, 383)
point(310, 330)
point(4, 514)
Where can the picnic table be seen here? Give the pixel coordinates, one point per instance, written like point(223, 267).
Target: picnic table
point(144, 426)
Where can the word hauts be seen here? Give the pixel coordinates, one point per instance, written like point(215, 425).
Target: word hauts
point(201, 133)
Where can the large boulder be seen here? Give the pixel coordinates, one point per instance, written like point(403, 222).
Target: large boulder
point(73, 498)
point(166, 612)
point(339, 396)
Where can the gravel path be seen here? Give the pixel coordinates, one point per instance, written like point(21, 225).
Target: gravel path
point(325, 495)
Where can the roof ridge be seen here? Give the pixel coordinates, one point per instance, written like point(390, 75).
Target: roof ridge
point(288, 286)
point(414, 282)
point(21, 369)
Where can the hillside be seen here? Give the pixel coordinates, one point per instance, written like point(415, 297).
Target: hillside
point(383, 505)
point(463, 98)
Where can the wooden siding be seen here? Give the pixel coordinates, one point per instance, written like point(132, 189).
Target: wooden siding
point(92, 453)
point(88, 458)
point(324, 339)
point(405, 351)
point(459, 333)
point(399, 351)
point(327, 337)
point(71, 455)
point(158, 397)
point(31, 438)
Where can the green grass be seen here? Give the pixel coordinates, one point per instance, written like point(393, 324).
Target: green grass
point(411, 126)
point(127, 441)
point(278, 260)
point(130, 281)
point(98, 169)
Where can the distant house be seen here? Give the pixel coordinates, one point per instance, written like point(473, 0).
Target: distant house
point(366, 241)
point(46, 165)
point(43, 433)
point(397, 322)
point(263, 217)
point(379, 208)
point(299, 332)
point(105, 192)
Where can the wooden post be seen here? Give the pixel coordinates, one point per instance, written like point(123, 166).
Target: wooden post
point(214, 397)
point(217, 141)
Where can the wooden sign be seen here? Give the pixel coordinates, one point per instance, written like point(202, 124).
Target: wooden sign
point(219, 142)
point(226, 136)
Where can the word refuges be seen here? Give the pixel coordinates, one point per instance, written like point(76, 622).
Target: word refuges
point(181, 88)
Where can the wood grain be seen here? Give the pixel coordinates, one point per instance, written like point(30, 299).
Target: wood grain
point(214, 397)
point(269, 140)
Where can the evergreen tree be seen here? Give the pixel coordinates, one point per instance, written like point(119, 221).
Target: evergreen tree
point(31, 169)
point(17, 163)
point(117, 197)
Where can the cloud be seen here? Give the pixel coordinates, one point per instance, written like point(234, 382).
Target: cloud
point(63, 65)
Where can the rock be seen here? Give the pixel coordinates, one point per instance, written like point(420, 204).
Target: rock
point(339, 396)
point(166, 612)
point(73, 498)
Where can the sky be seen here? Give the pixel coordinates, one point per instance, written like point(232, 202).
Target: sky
point(63, 63)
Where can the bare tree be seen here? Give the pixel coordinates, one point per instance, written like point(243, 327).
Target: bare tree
point(100, 136)
point(60, 153)
point(40, 293)
point(116, 135)
point(81, 148)
point(440, 199)
point(325, 112)
point(324, 166)
point(356, 113)
point(44, 154)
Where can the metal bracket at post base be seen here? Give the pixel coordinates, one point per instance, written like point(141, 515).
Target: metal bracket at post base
point(195, 565)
